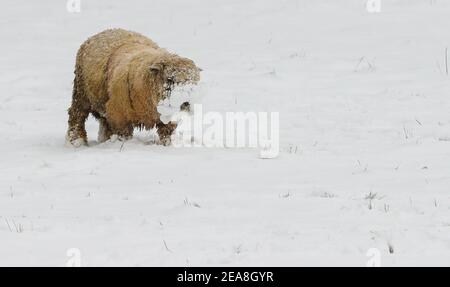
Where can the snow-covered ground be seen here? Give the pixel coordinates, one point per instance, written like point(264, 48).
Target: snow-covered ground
point(364, 103)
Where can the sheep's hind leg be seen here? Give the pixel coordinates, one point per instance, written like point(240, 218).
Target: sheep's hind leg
point(125, 133)
point(76, 133)
point(78, 113)
point(104, 130)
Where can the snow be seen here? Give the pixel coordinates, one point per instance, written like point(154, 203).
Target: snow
point(364, 158)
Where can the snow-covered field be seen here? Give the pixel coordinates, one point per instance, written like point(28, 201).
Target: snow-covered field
point(364, 103)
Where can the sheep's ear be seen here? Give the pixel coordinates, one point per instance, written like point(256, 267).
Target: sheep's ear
point(155, 68)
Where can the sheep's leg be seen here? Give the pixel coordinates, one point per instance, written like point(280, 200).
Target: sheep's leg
point(76, 134)
point(125, 133)
point(165, 131)
point(78, 113)
point(104, 131)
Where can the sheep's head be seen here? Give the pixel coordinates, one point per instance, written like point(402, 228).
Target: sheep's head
point(173, 71)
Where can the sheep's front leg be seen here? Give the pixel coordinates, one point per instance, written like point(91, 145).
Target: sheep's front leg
point(165, 131)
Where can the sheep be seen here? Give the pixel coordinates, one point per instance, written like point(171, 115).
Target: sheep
point(120, 78)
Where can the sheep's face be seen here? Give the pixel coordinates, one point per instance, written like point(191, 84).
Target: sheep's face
point(174, 71)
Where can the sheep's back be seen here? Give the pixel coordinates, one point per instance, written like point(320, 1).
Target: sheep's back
point(94, 55)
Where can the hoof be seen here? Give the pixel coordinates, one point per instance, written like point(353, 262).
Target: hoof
point(120, 138)
point(165, 141)
point(75, 142)
point(185, 107)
